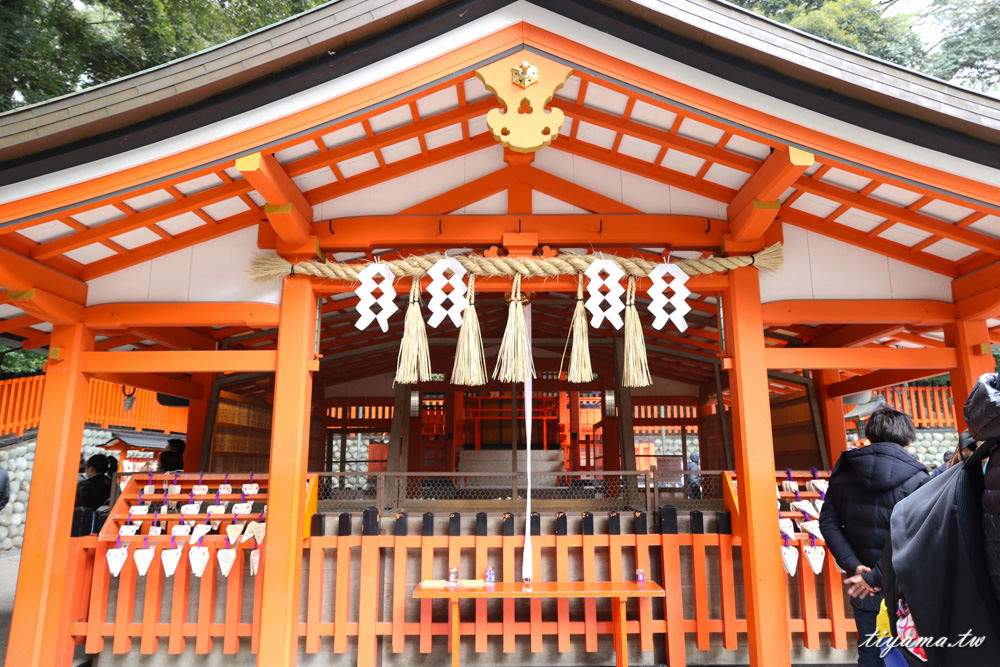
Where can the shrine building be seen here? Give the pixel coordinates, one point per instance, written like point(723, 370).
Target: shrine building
point(565, 293)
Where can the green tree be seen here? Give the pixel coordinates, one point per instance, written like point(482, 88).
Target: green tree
point(861, 25)
point(969, 49)
point(13, 360)
point(54, 47)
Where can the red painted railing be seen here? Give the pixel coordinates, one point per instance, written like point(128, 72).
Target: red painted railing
point(21, 407)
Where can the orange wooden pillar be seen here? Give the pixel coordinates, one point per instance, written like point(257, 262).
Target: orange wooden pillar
point(197, 420)
point(831, 409)
point(282, 567)
point(971, 340)
point(763, 576)
point(39, 632)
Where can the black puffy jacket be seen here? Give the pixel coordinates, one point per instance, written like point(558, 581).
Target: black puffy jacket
point(865, 485)
point(982, 413)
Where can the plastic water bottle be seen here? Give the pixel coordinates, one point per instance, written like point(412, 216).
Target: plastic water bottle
point(491, 576)
point(453, 576)
point(640, 577)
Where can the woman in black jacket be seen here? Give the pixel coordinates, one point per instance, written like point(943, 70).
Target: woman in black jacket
point(865, 485)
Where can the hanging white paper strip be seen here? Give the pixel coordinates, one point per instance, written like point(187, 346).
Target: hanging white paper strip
point(677, 301)
point(226, 558)
point(116, 560)
point(613, 297)
point(527, 564)
point(815, 557)
point(385, 302)
point(143, 557)
point(438, 296)
point(198, 557)
point(170, 558)
point(790, 559)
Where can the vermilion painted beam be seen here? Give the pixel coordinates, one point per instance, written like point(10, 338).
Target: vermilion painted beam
point(175, 361)
point(44, 305)
point(879, 379)
point(12, 324)
point(983, 305)
point(137, 220)
point(180, 314)
point(653, 172)
point(570, 192)
point(753, 209)
point(20, 273)
point(846, 311)
point(175, 338)
point(465, 194)
point(853, 335)
point(860, 357)
point(287, 209)
point(161, 383)
point(282, 584)
point(151, 251)
point(597, 230)
point(935, 226)
point(39, 633)
point(977, 282)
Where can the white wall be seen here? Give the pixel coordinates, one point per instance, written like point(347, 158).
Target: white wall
point(214, 270)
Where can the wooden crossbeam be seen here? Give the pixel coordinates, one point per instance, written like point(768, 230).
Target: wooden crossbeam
point(853, 335)
point(878, 379)
point(860, 357)
point(756, 204)
point(175, 338)
point(21, 273)
point(44, 305)
point(366, 233)
point(137, 220)
point(155, 382)
point(172, 314)
point(287, 209)
point(173, 361)
point(837, 311)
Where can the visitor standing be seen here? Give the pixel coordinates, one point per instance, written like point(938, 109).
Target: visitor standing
point(865, 485)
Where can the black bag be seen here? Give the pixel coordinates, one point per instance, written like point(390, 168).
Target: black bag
point(936, 560)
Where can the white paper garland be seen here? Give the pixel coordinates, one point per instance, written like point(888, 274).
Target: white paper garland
point(677, 301)
point(613, 297)
point(456, 296)
point(385, 302)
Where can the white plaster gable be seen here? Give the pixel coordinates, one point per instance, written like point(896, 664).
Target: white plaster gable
point(819, 267)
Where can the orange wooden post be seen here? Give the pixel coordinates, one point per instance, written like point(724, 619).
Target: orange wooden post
point(971, 340)
point(279, 644)
point(368, 601)
point(832, 412)
point(197, 419)
point(39, 633)
point(763, 577)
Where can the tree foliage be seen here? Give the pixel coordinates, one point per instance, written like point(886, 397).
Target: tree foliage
point(54, 47)
point(15, 361)
point(967, 53)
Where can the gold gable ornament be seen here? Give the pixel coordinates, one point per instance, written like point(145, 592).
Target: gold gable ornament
point(525, 88)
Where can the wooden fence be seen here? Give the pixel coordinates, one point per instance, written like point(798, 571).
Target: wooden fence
point(21, 407)
point(698, 571)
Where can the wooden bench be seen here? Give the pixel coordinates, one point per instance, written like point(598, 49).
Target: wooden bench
point(617, 591)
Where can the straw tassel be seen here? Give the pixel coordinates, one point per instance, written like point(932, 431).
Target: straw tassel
point(414, 361)
point(635, 370)
point(580, 369)
point(514, 362)
point(470, 359)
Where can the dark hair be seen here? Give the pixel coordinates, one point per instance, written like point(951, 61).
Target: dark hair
point(99, 462)
point(888, 425)
point(176, 445)
point(170, 460)
point(112, 465)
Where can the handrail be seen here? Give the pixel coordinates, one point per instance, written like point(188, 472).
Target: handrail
point(21, 407)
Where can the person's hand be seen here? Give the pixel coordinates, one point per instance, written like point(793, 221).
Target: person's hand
point(857, 587)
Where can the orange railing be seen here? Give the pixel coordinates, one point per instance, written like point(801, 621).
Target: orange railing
point(930, 407)
point(21, 407)
point(703, 605)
